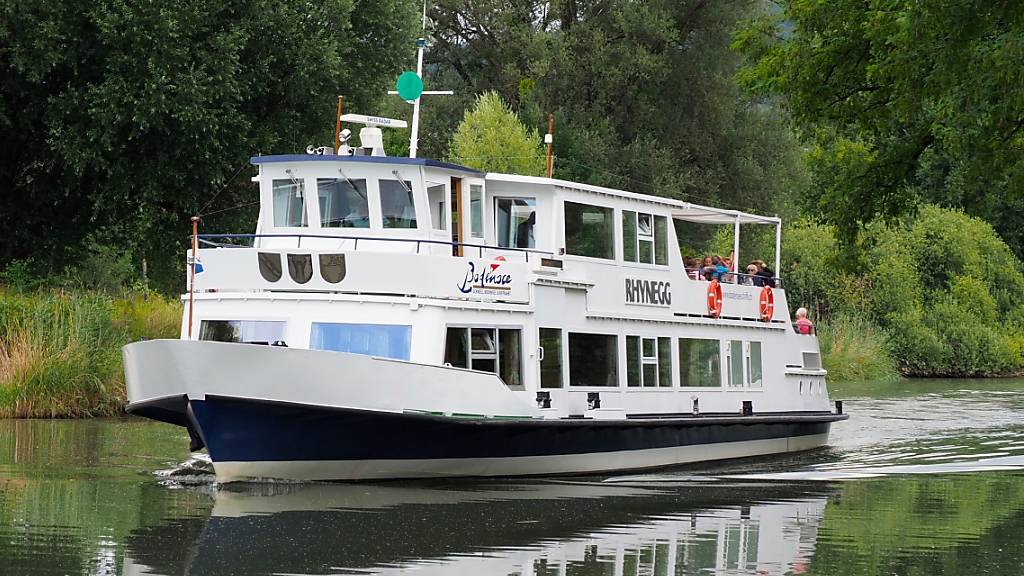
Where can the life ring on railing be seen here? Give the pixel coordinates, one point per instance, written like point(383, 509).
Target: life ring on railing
point(767, 304)
point(715, 299)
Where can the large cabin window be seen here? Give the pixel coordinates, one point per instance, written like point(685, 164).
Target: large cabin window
point(343, 203)
point(244, 331)
point(551, 358)
point(515, 220)
point(589, 231)
point(593, 359)
point(648, 361)
point(383, 340)
point(497, 350)
point(700, 362)
point(644, 238)
point(289, 203)
point(396, 204)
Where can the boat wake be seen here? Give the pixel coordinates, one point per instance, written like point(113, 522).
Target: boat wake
point(196, 471)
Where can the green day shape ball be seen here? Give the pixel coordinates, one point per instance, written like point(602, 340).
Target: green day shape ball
point(409, 86)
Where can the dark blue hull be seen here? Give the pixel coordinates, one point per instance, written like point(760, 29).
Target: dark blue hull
point(242, 431)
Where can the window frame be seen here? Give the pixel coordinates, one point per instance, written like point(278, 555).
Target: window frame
point(407, 344)
point(614, 234)
point(446, 212)
point(634, 242)
point(494, 355)
point(408, 188)
point(369, 202)
point(681, 363)
point(282, 320)
point(472, 188)
point(616, 356)
point(306, 216)
point(560, 355)
point(644, 360)
point(497, 229)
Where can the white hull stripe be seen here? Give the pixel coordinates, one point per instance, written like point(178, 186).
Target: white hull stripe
point(516, 466)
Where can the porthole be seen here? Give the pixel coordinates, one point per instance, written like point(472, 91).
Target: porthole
point(300, 267)
point(332, 267)
point(270, 266)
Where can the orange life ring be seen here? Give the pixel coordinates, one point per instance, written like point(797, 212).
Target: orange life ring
point(715, 299)
point(767, 304)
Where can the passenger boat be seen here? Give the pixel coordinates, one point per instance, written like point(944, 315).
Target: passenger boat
point(396, 317)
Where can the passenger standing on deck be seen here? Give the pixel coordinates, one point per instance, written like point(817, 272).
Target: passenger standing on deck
point(802, 324)
point(765, 275)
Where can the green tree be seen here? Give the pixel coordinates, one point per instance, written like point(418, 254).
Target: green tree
point(642, 92)
point(900, 103)
point(122, 119)
point(491, 138)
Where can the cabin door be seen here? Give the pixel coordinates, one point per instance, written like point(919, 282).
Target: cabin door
point(457, 220)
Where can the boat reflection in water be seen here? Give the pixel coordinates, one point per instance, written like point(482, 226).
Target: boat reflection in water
point(539, 528)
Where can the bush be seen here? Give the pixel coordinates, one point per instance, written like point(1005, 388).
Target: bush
point(942, 292)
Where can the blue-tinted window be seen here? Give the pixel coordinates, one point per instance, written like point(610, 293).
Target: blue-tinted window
point(258, 331)
point(387, 341)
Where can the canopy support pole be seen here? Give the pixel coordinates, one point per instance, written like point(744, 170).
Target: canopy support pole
point(778, 247)
point(736, 246)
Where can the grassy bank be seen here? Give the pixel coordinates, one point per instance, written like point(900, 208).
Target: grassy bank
point(854, 350)
point(60, 351)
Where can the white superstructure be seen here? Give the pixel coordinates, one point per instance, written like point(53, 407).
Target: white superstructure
point(414, 287)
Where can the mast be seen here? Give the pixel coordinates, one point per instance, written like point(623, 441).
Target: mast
point(421, 45)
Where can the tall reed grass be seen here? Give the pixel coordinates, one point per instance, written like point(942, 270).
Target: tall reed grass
point(60, 352)
point(854, 349)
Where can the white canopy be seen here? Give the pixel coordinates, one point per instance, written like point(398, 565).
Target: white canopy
point(708, 215)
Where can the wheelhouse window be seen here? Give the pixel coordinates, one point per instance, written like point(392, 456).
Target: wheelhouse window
point(648, 361)
point(593, 359)
point(589, 231)
point(437, 197)
point(497, 350)
point(515, 220)
point(243, 331)
point(551, 358)
point(396, 204)
point(383, 340)
point(289, 198)
point(700, 362)
point(343, 203)
point(476, 210)
point(644, 238)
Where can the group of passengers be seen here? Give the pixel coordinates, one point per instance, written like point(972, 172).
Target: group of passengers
point(723, 269)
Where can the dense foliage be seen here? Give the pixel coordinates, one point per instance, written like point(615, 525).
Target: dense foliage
point(122, 119)
point(900, 102)
point(642, 93)
point(945, 291)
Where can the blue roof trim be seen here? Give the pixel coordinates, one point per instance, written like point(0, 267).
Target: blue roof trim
point(366, 159)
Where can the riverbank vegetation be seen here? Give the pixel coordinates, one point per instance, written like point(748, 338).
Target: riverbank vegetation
point(60, 351)
point(940, 294)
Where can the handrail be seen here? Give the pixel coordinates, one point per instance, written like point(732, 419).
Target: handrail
point(736, 278)
point(206, 240)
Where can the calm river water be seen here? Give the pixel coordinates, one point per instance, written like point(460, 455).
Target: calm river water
point(925, 478)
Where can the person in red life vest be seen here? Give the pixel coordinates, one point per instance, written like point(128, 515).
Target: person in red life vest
point(802, 324)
